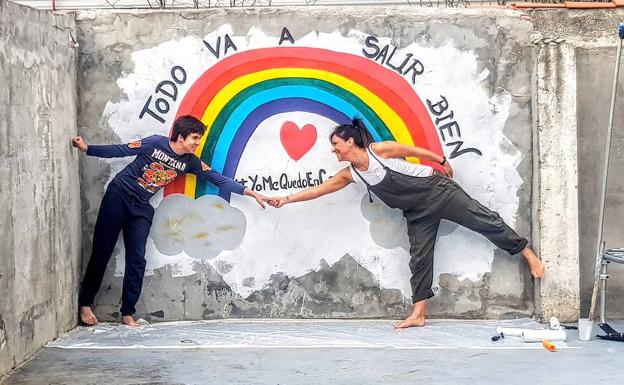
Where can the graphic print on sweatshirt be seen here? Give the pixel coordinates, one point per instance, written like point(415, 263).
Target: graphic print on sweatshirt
point(162, 171)
point(155, 177)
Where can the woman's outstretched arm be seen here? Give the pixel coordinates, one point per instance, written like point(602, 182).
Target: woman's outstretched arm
point(337, 182)
point(397, 150)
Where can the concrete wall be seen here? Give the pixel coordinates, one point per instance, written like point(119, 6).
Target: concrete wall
point(579, 95)
point(39, 183)
point(555, 180)
point(594, 37)
point(121, 70)
point(530, 92)
point(339, 256)
point(596, 67)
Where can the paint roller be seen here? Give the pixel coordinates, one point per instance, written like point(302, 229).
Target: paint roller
point(532, 335)
point(515, 332)
point(541, 335)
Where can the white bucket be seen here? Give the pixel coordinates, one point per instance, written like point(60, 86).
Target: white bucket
point(585, 328)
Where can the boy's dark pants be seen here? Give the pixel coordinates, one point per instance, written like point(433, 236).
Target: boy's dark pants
point(119, 211)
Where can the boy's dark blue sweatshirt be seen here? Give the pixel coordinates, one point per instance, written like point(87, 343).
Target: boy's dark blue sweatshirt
point(156, 165)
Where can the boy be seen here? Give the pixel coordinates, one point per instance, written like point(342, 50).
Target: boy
point(125, 205)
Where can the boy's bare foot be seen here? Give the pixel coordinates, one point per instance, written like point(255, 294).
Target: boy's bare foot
point(411, 322)
point(87, 317)
point(416, 319)
point(129, 320)
point(535, 264)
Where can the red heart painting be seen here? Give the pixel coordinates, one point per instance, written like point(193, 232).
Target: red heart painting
point(297, 141)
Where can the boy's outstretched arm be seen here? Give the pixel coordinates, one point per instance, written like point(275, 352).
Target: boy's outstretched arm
point(107, 150)
point(229, 184)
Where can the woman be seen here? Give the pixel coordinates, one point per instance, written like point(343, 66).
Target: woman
point(425, 195)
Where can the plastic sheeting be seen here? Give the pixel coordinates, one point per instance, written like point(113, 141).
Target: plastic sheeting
point(293, 334)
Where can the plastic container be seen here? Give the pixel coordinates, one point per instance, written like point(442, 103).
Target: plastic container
point(585, 329)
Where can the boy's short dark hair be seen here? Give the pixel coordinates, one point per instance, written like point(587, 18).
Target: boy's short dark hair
point(186, 125)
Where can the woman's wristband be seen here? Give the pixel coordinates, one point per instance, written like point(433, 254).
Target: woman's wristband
point(443, 160)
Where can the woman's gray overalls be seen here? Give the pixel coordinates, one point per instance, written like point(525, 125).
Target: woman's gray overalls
point(427, 200)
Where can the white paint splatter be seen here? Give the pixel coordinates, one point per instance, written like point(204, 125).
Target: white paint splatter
point(294, 239)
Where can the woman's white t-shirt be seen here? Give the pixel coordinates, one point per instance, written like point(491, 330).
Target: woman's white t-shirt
point(376, 171)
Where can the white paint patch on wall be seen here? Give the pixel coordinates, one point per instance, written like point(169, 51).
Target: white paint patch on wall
point(152, 66)
point(491, 178)
point(385, 223)
point(201, 227)
point(294, 239)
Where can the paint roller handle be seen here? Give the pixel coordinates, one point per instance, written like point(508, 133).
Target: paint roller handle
point(549, 346)
point(621, 30)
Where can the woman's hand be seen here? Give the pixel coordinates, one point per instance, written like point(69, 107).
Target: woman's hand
point(338, 181)
point(448, 170)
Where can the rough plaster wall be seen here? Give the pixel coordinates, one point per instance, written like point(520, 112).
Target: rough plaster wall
point(596, 69)
point(593, 35)
point(498, 40)
point(39, 184)
point(556, 179)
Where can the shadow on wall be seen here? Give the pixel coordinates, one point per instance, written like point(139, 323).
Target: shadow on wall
point(2, 334)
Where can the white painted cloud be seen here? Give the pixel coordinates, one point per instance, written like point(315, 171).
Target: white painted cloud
point(387, 226)
point(202, 227)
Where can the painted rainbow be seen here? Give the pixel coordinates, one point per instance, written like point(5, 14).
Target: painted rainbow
point(235, 95)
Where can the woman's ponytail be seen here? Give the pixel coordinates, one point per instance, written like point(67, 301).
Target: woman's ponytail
point(365, 135)
point(356, 130)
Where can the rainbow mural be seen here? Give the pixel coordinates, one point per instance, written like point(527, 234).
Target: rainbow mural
point(239, 92)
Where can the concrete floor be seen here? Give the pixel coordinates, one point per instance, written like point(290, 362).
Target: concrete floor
point(318, 352)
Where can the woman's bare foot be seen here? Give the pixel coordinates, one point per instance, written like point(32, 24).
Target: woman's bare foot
point(535, 264)
point(416, 319)
point(87, 317)
point(411, 322)
point(129, 320)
